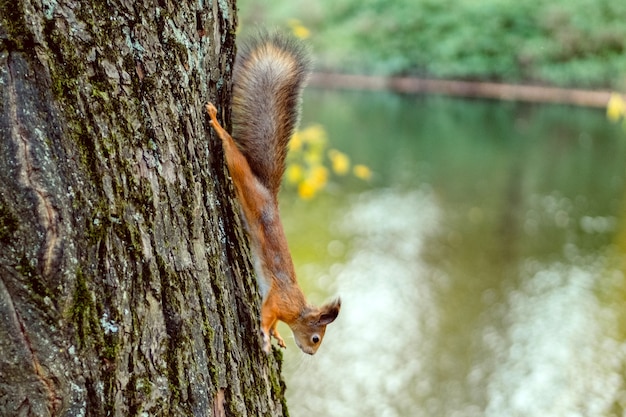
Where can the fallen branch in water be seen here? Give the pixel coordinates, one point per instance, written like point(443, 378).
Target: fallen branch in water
point(510, 92)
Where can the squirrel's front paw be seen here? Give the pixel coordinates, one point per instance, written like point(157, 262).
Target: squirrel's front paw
point(210, 108)
point(279, 339)
point(281, 342)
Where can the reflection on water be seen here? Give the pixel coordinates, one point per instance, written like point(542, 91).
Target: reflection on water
point(377, 346)
point(556, 356)
point(481, 275)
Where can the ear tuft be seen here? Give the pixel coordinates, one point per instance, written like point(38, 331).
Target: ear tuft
point(329, 312)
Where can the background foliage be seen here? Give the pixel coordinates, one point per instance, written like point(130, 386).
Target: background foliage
point(565, 42)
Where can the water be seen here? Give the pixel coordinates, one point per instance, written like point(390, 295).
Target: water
point(481, 270)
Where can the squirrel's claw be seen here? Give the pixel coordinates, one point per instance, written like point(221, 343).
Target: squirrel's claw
point(280, 341)
point(278, 338)
point(210, 108)
point(267, 344)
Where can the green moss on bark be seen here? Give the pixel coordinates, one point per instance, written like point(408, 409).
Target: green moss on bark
point(83, 312)
point(8, 224)
point(16, 34)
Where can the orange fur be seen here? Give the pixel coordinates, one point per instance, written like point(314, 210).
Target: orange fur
point(268, 77)
point(284, 299)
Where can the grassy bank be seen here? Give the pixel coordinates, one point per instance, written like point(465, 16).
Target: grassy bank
point(571, 43)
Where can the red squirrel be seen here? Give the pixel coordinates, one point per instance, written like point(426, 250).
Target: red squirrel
point(268, 77)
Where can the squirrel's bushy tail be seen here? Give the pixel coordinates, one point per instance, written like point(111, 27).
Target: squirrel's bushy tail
point(268, 77)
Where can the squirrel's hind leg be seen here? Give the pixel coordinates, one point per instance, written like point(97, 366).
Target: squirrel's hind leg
point(247, 185)
point(268, 328)
point(267, 335)
point(276, 335)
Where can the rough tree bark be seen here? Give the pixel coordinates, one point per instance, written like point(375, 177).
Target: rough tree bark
point(125, 285)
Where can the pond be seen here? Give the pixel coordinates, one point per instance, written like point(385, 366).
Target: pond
point(481, 269)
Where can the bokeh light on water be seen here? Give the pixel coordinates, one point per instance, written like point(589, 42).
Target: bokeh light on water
point(482, 272)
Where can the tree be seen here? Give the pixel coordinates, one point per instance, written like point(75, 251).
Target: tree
point(125, 284)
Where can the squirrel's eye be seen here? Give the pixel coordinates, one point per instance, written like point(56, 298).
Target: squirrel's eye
point(315, 339)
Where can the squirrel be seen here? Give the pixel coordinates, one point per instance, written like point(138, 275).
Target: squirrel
point(269, 74)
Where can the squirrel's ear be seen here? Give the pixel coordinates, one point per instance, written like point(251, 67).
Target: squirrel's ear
point(329, 312)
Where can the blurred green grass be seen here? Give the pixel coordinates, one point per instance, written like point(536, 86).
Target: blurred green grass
point(572, 43)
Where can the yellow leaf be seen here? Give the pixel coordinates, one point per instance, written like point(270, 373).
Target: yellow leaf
point(313, 156)
point(314, 135)
point(294, 173)
point(318, 176)
point(339, 161)
point(298, 29)
point(615, 108)
point(295, 144)
point(362, 172)
point(306, 190)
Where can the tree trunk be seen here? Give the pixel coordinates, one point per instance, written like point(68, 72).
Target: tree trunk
point(125, 283)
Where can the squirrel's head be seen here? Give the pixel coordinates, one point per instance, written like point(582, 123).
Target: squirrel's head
point(310, 327)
